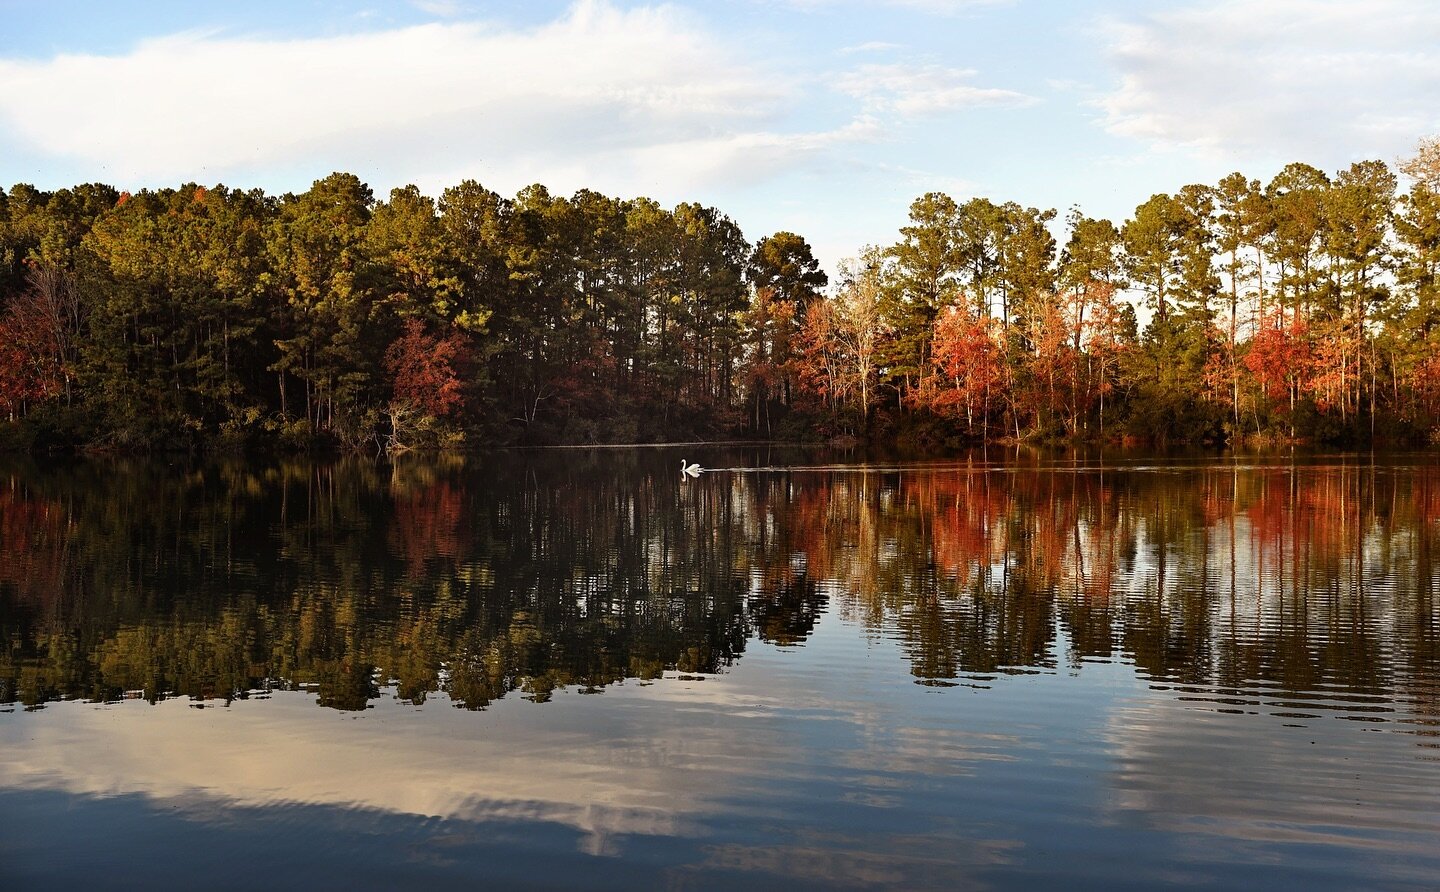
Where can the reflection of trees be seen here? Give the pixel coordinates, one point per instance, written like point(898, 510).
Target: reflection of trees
point(227, 580)
point(529, 574)
point(788, 608)
point(1294, 578)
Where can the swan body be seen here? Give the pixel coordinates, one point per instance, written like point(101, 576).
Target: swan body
point(691, 469)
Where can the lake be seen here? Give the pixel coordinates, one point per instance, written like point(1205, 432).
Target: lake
point(579, 669)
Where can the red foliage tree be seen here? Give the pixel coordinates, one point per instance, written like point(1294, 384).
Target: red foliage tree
point(1055, 386)
point(1426, 383)
point(1279, 357)
point(29, 369)
point(429, 371)
point(967, 352)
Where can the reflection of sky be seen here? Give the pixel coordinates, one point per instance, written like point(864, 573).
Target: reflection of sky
point(822, 766)
point(674, 760)
point(1334, 790)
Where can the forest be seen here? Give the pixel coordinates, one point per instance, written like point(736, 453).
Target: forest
point(1300, 309)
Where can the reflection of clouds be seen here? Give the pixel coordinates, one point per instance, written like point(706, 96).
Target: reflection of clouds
point(650, 760)
point(1308, 606)
point(792, 748)
point(1200, 774)
point(916, 752)
point(449, 765)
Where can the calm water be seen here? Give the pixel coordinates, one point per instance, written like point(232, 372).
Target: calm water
point(572, 669)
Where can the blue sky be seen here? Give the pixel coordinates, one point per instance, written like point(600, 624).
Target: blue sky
point(825, 117)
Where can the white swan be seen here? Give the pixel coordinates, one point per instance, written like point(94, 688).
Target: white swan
point(692, 469)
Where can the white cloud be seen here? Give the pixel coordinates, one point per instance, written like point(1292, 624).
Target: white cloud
point(594, 98)
point(920, 90)
point(947, 7)
point(929, 7)
point(871, 46)
point(1285, 78)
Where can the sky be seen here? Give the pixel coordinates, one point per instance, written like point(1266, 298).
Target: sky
point(821, 117)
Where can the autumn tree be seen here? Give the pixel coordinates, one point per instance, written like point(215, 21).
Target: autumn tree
point(785, 279)
point(429, 376)
point(40, 330)
point(844, 334)
point(926, 278)
point(1424, 166)
point(970, 362)
point(1280, 358)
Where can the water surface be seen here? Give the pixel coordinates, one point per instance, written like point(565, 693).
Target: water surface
point(577, 669)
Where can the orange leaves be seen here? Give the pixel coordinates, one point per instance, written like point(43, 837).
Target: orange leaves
point(1426, 381)
point(1294, 359)
point(1055, 363)
point(970, 360)
point(427, 369)
point(840, 344)
point(1279, 357)
point(30, 365)
point(1336, 364)
point(820, 359)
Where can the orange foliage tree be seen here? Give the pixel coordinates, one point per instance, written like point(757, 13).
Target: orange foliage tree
point(970, 362)
point(29, 369)
point(840, 342)
point(1336, 365)
point(1280, 358)
point(428, 374)
point(1054, 367)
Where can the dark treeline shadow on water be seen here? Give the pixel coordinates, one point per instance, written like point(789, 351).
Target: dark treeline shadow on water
point(1222, 580)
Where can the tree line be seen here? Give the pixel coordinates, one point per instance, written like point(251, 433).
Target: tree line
point(1305, 307)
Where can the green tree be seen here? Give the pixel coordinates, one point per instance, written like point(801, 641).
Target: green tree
point(1297, 196)
point(333, 316)
point(1168, 255)
point(785, 279)
point(926, 277)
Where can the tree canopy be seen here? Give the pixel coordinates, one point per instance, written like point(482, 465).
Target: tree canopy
point(1308, 307)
